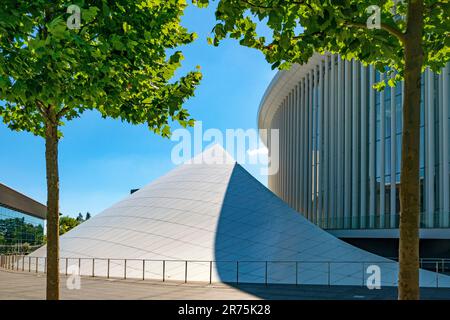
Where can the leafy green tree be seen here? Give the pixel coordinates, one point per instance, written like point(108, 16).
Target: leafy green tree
point(412, 35)
point(80, 217)
point(67, 223)
point(88, 216)
point(120, 61)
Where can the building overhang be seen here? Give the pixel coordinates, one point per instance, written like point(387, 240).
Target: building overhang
point(17, 201)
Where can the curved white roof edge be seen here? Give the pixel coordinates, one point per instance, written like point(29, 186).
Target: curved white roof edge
point(280, 86)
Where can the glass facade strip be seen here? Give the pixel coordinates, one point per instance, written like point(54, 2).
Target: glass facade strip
point(17, 228)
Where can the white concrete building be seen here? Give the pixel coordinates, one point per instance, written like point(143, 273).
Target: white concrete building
point(340, 150)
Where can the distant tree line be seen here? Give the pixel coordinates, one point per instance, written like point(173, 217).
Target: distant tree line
point(67, 223)
point(16, 230)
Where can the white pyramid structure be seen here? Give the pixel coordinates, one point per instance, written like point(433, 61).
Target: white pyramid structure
point(229, 227)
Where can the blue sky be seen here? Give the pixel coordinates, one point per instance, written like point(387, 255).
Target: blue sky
point(101, 160)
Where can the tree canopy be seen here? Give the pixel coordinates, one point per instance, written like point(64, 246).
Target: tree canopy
point(301, 27)
point(117, 62)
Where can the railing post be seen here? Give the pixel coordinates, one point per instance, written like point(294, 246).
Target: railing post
point(93, 267)
point(329, 273)
point(23, 263)
point(45, 264)
point(67, 264)
point(37, 264)
point(143, 269)
point(185, 271)
point(363, 275)
point(437, 274)
point(296, 273)
point(79, 266)
point(237, 272)
point(107, 275)
point(125, 269)
point(29, 264)
point(210, 272)
point(265, 276)
point(164, 270)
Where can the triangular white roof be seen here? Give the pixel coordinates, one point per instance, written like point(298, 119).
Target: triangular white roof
point(207, 211)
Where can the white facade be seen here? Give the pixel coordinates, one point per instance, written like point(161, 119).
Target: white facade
point(225, 224)
point(340, 144)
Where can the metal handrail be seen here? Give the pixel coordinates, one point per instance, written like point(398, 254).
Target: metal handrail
point(27, 263)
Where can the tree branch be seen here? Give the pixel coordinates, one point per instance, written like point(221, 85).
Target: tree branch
point(42, 109)
point(61, 112)
point(390, 29)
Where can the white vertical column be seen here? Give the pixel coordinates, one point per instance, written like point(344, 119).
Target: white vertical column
point(292, 146)
point(301, 144)
point(442, 140)
point(289, 149)
point(445, 137)
point(333, 135)
point(429, 147)
point(393, 157)
point(382, 156)
point(314, 144)
point(340, 144)
point(310, 142)
point(297, 148)
point(347, 145)
point(326, 156)
point(320, 167)
point(372, 148)
point(305, 147)
point(364, 110)
point(355, 145)
point(282, 150)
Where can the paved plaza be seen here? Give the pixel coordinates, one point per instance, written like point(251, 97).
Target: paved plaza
point(20, 285)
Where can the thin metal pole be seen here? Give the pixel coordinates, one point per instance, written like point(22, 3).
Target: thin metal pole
point(93, 267)
point(296, 273)
point(363, 275)
point(79, 266)
point(437, 274)
point(210, 272)
point(107, 272)
point(125, 269)
point(37, 263)
point(329, 273)
point(237, 272)
point(265, 277)
point(164, 270)
point(67, 264)
point(29, 264)
point(45, 264)
point(185, 272)
point(143, 269)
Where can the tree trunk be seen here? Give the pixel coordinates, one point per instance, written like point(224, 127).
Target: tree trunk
point(408, 287)
point(51, 157)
